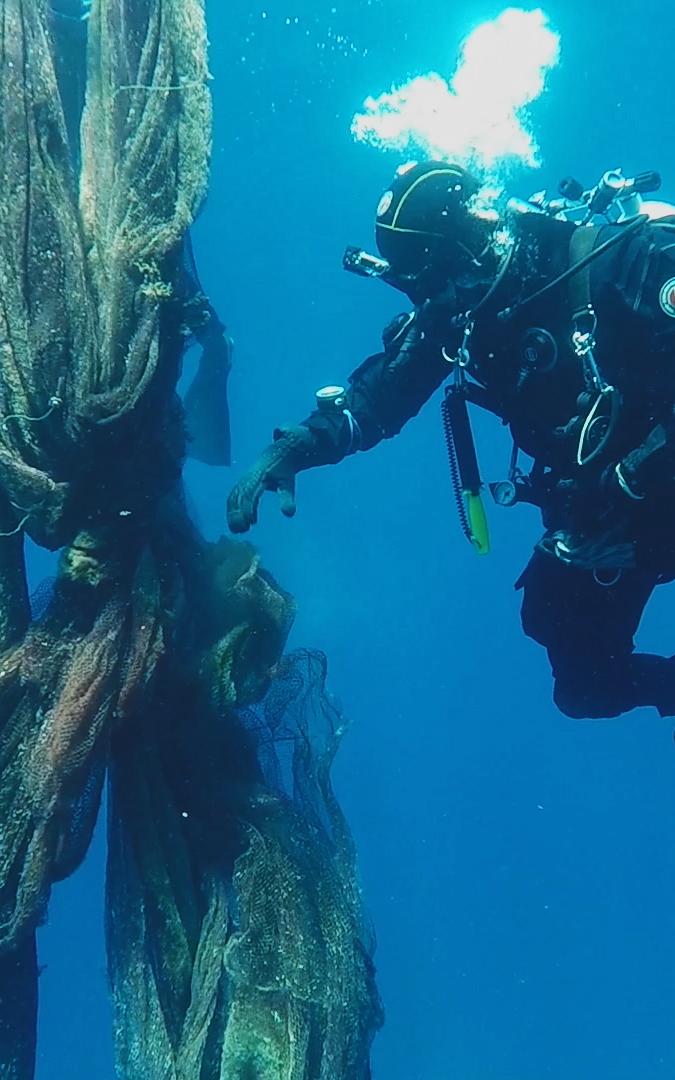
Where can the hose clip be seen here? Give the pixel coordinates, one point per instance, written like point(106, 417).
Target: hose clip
point(462, 358)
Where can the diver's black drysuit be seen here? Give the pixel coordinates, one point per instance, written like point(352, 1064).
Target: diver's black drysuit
point(524, 368)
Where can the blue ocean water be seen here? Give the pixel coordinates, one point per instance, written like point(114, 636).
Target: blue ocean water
point(519, 867)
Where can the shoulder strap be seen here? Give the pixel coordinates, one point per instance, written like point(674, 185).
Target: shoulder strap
point(582, 243)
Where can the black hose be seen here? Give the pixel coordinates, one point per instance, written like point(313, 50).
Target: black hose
point(453, 461)
point(612, 420)
point(628, 228)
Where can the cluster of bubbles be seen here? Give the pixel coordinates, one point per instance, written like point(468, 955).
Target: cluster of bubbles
point(479, 117)
point(316, 28)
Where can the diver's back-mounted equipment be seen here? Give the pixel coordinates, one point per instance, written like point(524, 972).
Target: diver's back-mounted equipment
point(615, 198)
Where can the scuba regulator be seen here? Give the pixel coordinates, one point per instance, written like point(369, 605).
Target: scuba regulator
point(614, 199)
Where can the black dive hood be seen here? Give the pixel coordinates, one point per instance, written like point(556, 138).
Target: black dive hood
point(422, 219)
point(424, 232)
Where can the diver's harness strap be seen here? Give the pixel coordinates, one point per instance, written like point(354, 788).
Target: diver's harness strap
point(603, 400)
point(600, 422)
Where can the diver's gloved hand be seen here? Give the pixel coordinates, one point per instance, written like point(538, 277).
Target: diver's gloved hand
point(275, 470)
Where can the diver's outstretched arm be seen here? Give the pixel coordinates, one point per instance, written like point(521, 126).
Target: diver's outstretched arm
point(383, 394)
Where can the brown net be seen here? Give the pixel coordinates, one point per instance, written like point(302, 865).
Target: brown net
point(73, 676)
point(76, 363)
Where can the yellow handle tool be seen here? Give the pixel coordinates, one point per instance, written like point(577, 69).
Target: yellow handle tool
point(478, 523)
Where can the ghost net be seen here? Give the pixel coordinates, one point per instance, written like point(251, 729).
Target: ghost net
point(237, 946)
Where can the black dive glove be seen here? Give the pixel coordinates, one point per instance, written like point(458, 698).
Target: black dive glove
point(293, 450)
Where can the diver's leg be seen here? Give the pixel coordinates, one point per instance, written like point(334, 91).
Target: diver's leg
point(588, 630)
point(18, 1011)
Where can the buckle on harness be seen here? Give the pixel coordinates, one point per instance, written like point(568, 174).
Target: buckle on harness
point(584, 344)
point(583, 336)
point(462, 357)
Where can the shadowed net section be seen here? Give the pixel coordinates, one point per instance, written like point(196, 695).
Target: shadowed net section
point(237, 943)
point(303, 997)
point(176, 782)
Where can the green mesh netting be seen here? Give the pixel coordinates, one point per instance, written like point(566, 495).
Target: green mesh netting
point(68, 462)
point(73, 359)
point(299, 963)
point(145, 146)
point(47, 318)
point(236, 939)
point(84, 293)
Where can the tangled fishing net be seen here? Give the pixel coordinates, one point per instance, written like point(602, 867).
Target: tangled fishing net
point(236, 938)
point(234, 921)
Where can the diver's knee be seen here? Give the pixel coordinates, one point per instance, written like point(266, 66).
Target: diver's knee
point(612, 688)
point(590, 698)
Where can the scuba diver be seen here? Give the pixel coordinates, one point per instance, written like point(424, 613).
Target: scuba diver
point(565, 330)
point(205, 403)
